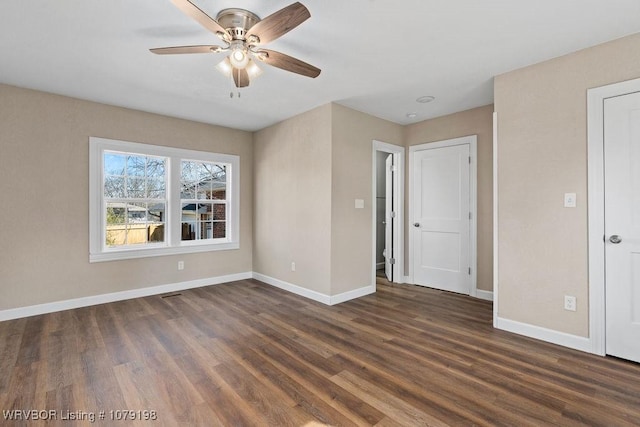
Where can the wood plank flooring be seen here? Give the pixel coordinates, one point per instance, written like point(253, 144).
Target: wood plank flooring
point(248, 354)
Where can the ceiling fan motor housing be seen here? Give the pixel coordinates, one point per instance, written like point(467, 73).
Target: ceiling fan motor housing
point(237, 22)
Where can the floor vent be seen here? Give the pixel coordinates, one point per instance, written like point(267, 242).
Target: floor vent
point(171, 295)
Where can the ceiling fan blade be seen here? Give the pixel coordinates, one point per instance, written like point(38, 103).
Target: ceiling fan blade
point(287, 63)
point(186, 49)
point(240, 77)
point(279, 23)
point(203, 19)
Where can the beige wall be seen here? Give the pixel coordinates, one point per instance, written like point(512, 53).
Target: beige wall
point(542, 125)
point(44, 176)
point(478, 121)
point(292, 175)
point(352, 178)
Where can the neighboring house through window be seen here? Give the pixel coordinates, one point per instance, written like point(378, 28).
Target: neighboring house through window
point(148, 200)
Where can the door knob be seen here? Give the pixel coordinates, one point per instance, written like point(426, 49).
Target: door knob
point(615, 239)
point(416, 224)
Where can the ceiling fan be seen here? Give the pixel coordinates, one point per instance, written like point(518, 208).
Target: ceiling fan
point(244, 34)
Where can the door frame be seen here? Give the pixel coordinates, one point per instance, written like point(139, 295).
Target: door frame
point(398, 207)
point(595, 208)
point(472, 141)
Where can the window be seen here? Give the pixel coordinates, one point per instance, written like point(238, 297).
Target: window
point(203, 195)
point(147, 200)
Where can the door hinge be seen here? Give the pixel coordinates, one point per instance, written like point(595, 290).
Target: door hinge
point(469, 159)
point(392, 261)
point(469, 215)
point(393, 214)
point(392, 168)
point(469, 271)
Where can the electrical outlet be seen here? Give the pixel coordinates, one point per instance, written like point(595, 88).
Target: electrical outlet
point(569, 303)
point(180, 265)
point(293, 266)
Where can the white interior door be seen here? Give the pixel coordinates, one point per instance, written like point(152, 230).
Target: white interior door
point(441, 218)
point(622, 225)
point(389, 219)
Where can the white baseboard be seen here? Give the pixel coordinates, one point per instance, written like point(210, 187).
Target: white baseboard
point(356, 293)
point(294, 289)
point(16, 313)
point(555, 337)
point(313, 295)
point(485, 295)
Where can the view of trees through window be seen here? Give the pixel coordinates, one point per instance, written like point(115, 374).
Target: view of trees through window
point(135, 196)
point(147, 200)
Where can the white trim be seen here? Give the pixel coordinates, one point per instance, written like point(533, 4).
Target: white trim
point(472, 141)
point(495, 219)
point(560, 338)
point(313, 295)
point(16, 313)
point(398, 240)
point(379, 265)
point(595, 165)
point(294, 289)
point(485, 295)
point(356, 293)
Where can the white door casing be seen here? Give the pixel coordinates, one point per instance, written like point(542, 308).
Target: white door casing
point(442, 226)
point(389, 219)
point(622, 225)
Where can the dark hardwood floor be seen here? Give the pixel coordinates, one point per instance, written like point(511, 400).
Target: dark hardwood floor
point(246, 353)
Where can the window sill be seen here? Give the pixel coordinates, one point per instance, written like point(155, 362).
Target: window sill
point(156, 252)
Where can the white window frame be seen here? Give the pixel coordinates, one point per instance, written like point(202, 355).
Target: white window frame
point(173, 244)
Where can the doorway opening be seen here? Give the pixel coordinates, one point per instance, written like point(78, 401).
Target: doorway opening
point(388, 211)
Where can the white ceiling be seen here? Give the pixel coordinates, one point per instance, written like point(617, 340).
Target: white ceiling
point(376, 56)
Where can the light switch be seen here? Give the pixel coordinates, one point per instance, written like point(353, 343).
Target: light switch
point(569, 200)
point(359, 204)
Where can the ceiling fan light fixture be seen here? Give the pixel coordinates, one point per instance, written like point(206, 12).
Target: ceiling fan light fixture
point(239, 56)
point(225, 67)
point(253, 70)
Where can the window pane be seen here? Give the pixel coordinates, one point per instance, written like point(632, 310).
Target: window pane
point(136, 234)
point(136, 165)
point(188, 190)
point(155, 167)
point(189, 172)
point(155, 188)
point(156, 213)
point(115, 213)
point(114, 187)
point(135, 188)
point(219, 191)
point(219, 212)
point(219, 230)
point(114, 164)
point(204, 191)
point(137, 213)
